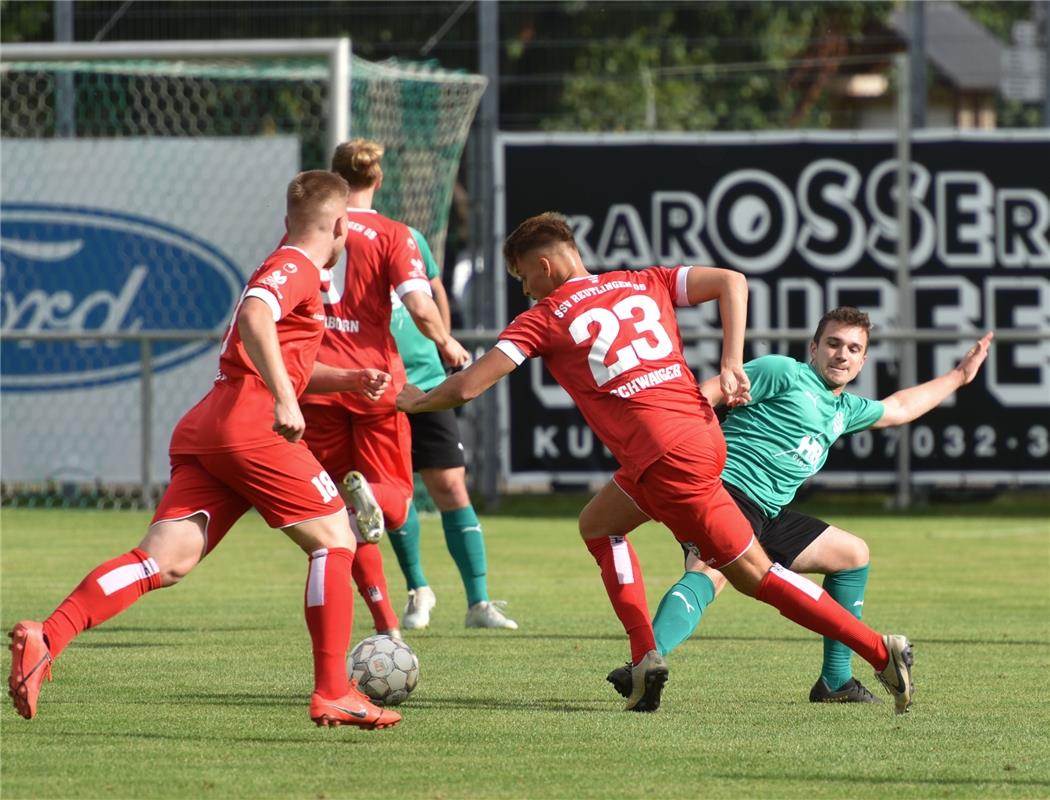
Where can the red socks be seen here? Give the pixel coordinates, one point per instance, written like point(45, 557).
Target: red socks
point(622, 576)
point(371, 583)
point(105, 592)
point(330, 617)
point(802, 601)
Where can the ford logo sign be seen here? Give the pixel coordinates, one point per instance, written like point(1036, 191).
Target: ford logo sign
point(84, 270)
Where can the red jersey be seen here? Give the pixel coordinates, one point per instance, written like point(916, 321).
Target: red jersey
point(612, 342)
point(237, 414)
point(381, 255)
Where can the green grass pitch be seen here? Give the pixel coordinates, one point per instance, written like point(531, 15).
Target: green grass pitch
point(201, 690)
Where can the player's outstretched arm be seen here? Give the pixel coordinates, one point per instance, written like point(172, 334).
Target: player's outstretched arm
point(259, 333)
point(425, 313)
point(712, 390)
point(369, 382)
point(730, 289)
point(460, 388)
point(909, 404)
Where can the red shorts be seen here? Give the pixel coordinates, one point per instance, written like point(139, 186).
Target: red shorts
point(683, 490)
point(282, 481)
point(379, 446)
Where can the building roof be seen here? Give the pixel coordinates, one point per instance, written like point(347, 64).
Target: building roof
point(966, 53)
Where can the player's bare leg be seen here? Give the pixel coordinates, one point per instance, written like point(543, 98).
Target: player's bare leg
point(329, 607)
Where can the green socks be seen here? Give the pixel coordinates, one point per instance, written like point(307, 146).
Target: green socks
point(847, 589)
point(680, 610)
point(405, 541)
point(467, 548)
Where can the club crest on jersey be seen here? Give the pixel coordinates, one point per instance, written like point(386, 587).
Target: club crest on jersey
point(411, 242)
point(838, 424)
point(291, 269)
point(82, 270)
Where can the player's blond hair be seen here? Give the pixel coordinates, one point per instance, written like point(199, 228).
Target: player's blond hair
point(538, 231)
point(359, 162)
point(845, 315)
point(313, 196)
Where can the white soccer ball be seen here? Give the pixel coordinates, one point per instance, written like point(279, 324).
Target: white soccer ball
point(386, 669)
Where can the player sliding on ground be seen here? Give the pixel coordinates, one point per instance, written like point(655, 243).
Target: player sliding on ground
point(241, 446)
point(775, 442)
point(612, 342)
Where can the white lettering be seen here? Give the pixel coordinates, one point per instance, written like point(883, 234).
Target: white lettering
point(624, 242)
point(543, 445)
point(833, 220)
point(965, 226)
point(1023, 218)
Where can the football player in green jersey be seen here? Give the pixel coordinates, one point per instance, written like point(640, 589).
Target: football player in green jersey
point(437, 455)
point(775, 442)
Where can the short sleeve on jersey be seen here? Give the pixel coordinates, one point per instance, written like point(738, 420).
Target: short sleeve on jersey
point(681, 290)
point(425, 253)
point(406, 268)
point(863, 413)
point(284, 287)
point(770, 375)
point(414, 285)
point(268, 298)
point(511, 351)
point(527, 334)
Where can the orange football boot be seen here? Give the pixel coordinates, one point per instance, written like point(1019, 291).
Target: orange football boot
point(353, 708)
point(30, 664)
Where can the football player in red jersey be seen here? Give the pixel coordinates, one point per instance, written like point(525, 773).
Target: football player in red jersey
point(241, 446)
point(365, 443)
point(612, 342)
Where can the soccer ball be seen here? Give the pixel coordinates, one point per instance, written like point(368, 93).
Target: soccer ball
point(386, 669)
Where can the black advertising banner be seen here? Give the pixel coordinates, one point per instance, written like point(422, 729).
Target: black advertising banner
point(811, 220)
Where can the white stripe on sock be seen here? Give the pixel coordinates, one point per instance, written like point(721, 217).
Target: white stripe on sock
point(122, 577)
point(315, 578)
point(800, 582)
point(622, 560)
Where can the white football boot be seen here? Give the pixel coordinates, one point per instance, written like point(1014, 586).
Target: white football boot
point(417, 609)
point(487, 614)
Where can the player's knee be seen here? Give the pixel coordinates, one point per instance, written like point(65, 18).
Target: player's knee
point(855, 553)
point(747, 572)
point(174, 570)
point(447, 488)
point(589, 525)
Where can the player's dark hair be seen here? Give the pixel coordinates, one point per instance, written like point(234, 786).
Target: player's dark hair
point(846, 315)
point(359, 162)
point(310, 192)
point(538, 231)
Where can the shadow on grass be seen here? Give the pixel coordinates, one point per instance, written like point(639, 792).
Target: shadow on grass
point(800, 639)
point(550, 704)
point(306, 739)
point(112, 629)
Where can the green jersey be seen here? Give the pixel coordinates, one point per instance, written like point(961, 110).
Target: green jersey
point(420, 354)
point(783, 435)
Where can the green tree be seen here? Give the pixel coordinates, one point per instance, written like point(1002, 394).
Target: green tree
point(716, 65)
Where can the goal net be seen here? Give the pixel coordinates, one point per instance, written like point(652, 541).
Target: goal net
point(137, 194)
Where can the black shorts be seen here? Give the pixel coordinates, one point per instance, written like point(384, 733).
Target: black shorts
point(784, 536)
point(435, 440)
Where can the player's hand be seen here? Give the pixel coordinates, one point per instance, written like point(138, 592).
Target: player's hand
point(407, 397)
point(974, 357)
point(454, 354)
point(735, 385)
point(288, 420)
point(372, 383)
